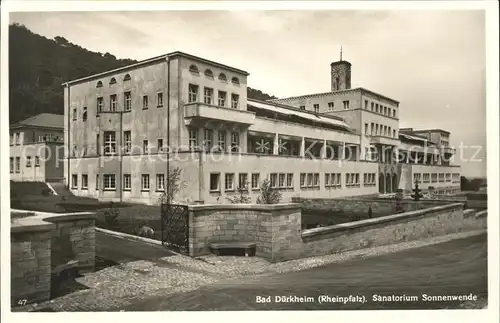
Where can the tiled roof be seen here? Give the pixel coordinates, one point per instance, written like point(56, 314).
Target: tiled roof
point(48, 120)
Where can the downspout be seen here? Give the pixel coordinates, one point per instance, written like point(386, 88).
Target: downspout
point(168, 127)
point(69, 136)
point(121, 157)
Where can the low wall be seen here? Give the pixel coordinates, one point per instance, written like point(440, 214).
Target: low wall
point(40, 243)
point(276, 229)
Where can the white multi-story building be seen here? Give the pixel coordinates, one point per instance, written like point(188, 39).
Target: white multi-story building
point(127, 129)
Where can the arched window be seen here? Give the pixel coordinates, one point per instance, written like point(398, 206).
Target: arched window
point(222, 77)
point(112, 81)
point(127, 77)
point(209, 73)
point(235, 80)
point(194, 69)
point(99, 84)
point(85, 114)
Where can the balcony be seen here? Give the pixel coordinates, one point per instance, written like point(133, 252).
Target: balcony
point(447, 150)
point(204, 112)
point(383, 140)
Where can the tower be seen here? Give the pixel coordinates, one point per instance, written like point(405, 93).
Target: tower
point(341, 74)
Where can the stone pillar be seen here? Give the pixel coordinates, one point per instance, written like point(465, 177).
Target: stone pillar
point(276, 144)
point(342, 153)
point(323, 150)
point(302, 147)
point(243, 142)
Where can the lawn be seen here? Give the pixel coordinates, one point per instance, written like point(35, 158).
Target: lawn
point(312, 218)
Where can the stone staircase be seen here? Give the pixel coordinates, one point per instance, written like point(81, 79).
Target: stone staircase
point(61, 189)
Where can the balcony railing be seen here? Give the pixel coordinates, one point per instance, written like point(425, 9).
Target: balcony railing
point(212, 112)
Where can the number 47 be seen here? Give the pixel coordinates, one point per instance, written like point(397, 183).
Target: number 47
point(22, 301)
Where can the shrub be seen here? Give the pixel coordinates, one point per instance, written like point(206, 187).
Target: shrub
point(240, 197)
point(398, 205)
point(46, 192)
point(111, 216)
point(268, 194)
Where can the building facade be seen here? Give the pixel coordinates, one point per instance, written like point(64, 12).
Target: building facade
point(128, 130)
point(36, 149)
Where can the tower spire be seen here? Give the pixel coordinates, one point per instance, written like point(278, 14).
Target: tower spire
point(341, 53)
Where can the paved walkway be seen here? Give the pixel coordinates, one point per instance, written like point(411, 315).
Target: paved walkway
point(457, 267)
point(150, 282)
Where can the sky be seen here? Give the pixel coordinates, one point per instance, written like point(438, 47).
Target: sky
point(432, 62)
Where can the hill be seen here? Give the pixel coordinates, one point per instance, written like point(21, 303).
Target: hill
point(38, 66)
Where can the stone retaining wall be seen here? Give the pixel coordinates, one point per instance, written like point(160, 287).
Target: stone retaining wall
point(42, 242)
point(276, 229)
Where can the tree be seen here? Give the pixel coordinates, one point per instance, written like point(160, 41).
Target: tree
point(174, 184)
point(417, 192)
point(268, 194)
point(398, 205)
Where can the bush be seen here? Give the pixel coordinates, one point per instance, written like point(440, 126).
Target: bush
point(46, 192)
point(111, 216)
point(241, 196)
point(268, 194)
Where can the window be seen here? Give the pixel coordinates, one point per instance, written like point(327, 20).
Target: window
point(372, 128)
point(193, 93)
point(127, 138)
point(316, 108)
point(221, 143)
point(145, 147)
point(84, 117)
point(309, 180)
point(109, 182)
point(376, 129)
point(235, 141)
point(98, 145)
point(99, 84)
point(193, 69)
point(366, 128)
point(74, 114)
point(18, 164)
point(372, 105)
point(208, 94)
point(97, 182)
point(160, 182)
point(109, 143)
point(74, 181)
point(12, 164)
point(85, 181)
point(339, 178)
point(159, 145)
point(281, 180)
point(215, 182)
point(366, 104)
point(369, 179)
point(302, 107)
point(302, 180)
point(376, 107)
point(235, 81)
point(289, 180)
point(222, 77)
point(208, 135)
point(330, 106)
point(389, 112)
point(28, 161)
point(127, 77)
point(229, 182)
point(394, 133)
point(193, 139)
point(127, 182)
point(74, 151)
point(113, 103)
point(127, 101)
point(255, 180)
point(145, 182)
point(327, 179)
point(112, 81)
point(159, 99)
point(394, 113)
point(316, 180)
point(209, 73)
point(434, 178)
point(385, 110)
point(222, 99)
point(145, 103)
point(274, 180)
point(100, 104)
point(235, 101)
point(346, 105)
point(243, 181)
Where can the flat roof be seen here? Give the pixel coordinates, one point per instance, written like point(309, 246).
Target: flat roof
point(431, 130)
point(153, 60)
point(361, 89)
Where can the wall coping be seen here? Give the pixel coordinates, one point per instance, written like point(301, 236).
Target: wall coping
point(469, 212)
point(58, 217)
point(380, 220)
point(256, 207)
point(386, 200)
point(481, 214)
point(31, 224)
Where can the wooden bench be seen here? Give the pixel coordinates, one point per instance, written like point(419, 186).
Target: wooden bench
point(248, 246)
